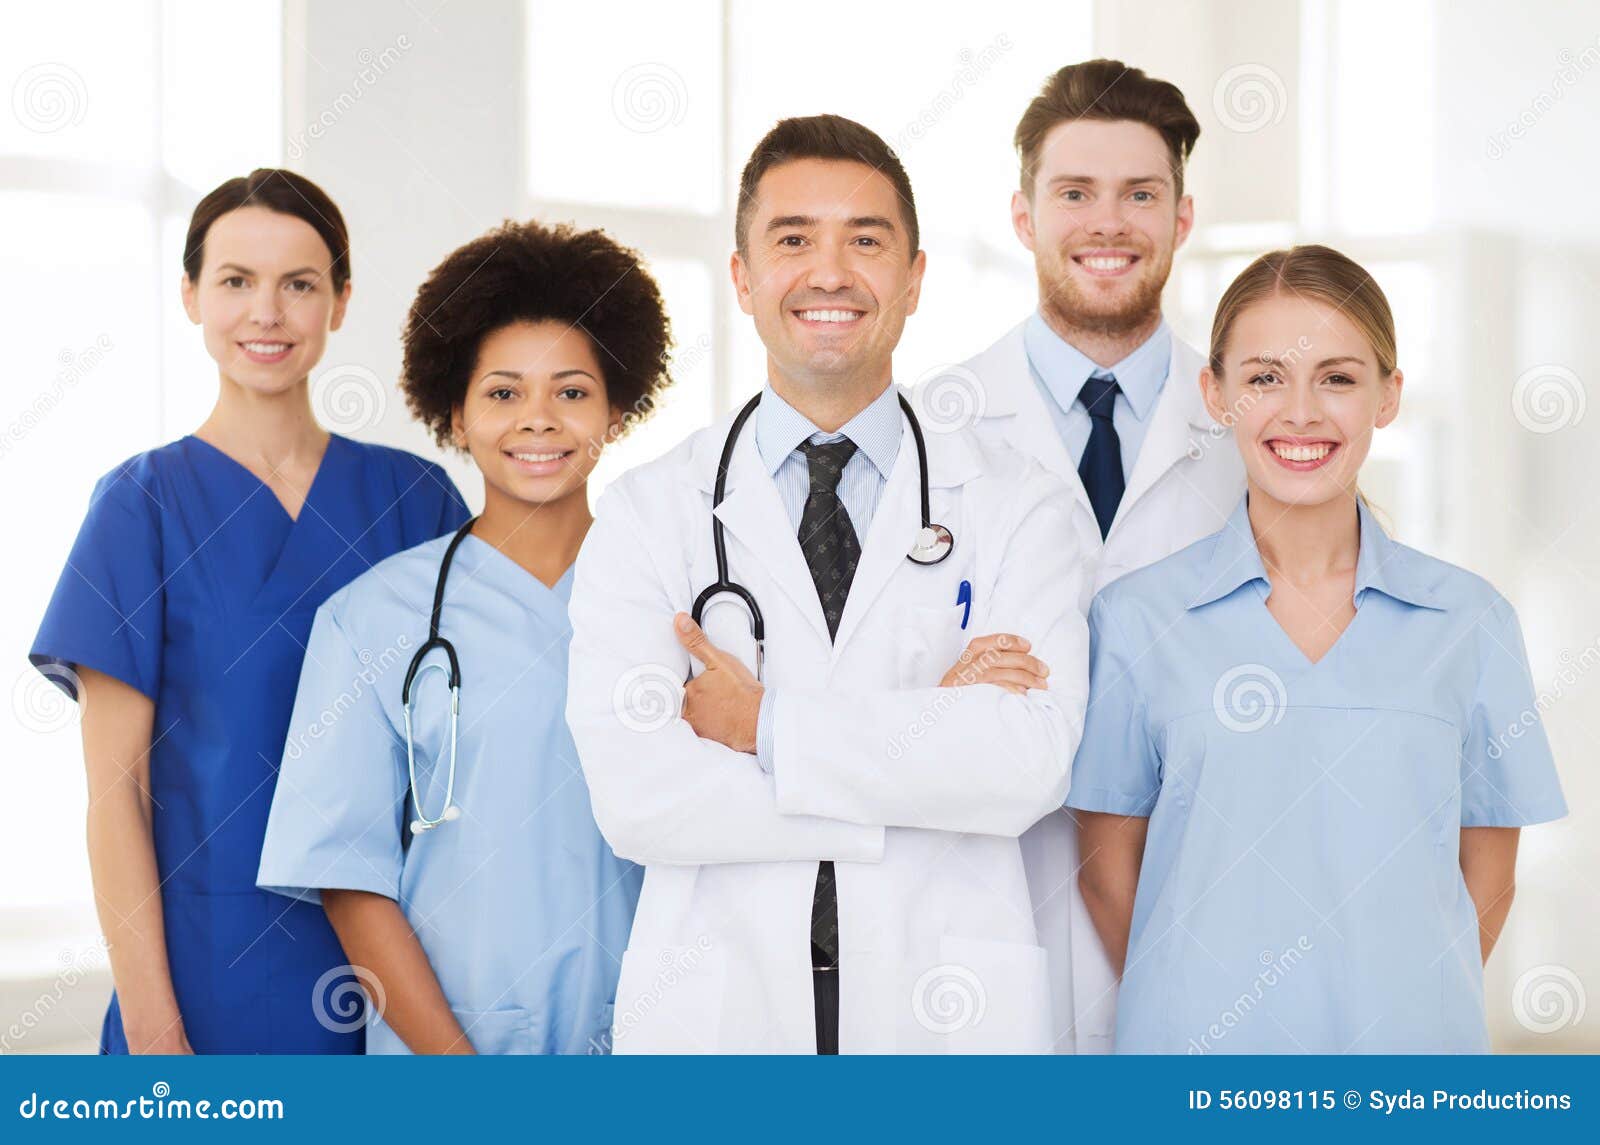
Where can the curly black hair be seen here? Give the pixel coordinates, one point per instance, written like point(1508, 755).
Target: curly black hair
point(529, 272)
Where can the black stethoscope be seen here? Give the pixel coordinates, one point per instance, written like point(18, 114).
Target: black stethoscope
point(423, 821)
point(933, 544)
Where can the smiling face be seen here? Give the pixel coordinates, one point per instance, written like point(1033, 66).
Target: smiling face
point(536, 414)
point(264, 298)
point(827, 272)
point(1304, 392)
point(1103, 221)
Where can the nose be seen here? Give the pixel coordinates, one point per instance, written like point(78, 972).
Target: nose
point(538, 413)
point(266, 306)
point(827, 271)
point(1302, 406)
point(1107, 219)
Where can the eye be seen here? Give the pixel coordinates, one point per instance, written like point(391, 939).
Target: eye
point(301, 285)
point(502, 394)
point(1144, 196)
point(1263, 380)
point(869, 240)
point(1073, 195)
point(573, 393)
point(233, 281)
point(1340, 379)
point(791, 240)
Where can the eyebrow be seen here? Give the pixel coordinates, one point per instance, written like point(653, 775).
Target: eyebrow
point(1326, 362)
point(782, 221)
point(555, 377)
point(1132, 181)
point(286, 274)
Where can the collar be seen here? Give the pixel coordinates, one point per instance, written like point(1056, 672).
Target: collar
point(1383, 565)
point(1063, 368)
point(781, 429)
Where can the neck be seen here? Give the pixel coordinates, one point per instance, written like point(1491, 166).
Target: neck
point(1102, 345)
point(1306, 542)
point(543, 538)
point(276, 429)
point(829, 402)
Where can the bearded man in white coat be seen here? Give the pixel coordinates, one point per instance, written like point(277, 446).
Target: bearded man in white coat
point(829, 830)
point(1096, 387)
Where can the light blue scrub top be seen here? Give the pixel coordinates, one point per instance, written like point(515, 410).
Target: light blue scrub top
point(1301, 889)
point(522, 907)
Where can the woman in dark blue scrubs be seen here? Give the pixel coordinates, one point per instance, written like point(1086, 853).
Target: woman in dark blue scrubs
point(180, 621)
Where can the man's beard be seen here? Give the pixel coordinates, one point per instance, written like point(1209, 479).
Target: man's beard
point(1068, 307)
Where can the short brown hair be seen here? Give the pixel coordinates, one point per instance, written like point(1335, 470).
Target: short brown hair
point(821, 137)
point(278, 190)
point(1106, 90)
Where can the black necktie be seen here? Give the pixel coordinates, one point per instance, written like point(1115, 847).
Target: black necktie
point(1101, 467)
point(832, 553)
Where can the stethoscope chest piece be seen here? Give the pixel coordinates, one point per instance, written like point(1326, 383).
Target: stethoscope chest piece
point(933, 544)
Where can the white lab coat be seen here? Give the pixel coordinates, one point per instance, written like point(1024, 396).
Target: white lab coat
point(1186, 481)
point(917, 793)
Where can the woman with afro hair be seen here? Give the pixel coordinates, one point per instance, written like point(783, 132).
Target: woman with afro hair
point(495, 927)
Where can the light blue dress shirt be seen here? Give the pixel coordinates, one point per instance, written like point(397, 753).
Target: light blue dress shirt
point(1301, 889)
point(780, 431)
point(1059, 370)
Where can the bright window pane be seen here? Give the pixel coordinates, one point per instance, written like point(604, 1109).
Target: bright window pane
point(637, 125)
point(82, 79)
point(222, 107)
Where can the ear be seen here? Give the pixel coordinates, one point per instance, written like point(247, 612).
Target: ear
point(1022, 218)
point(742, 284)
point(1211, 394)
point(1389, 407)
point(1185, 221)
point(458, 427)
point(339, 306)
point(919, 266)
point(191, 299)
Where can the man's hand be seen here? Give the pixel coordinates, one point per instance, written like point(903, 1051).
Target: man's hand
point(1001, 659)
point(723, 703)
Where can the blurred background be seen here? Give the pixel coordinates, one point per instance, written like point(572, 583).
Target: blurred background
point(1447, 146)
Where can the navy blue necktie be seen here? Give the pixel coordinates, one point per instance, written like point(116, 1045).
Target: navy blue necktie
point(1101, 467)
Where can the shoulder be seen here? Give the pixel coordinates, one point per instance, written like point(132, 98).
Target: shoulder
point(651, 488)
point(401, 584)
point(1160, 592)
point(372, 456)
point(138, 485)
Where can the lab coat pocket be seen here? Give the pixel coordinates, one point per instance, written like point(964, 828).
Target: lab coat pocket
point(669, 1000)
point(986, 997)
point(931, 641)
point(498, 1031)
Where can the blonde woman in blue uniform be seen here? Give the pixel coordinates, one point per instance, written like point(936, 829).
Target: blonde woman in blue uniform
point(1300, 808)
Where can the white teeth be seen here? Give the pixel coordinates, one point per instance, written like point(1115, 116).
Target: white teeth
point(1101, 263)
point(537, 457)
point(829, 315)
point(266, 347)
point(1302, 452)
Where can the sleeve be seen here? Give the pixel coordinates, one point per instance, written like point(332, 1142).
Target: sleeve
point(1118, 769)
point(341, 794)
point(985, 761)
point(661, 794)
point(108, 610)
point(1508, 775)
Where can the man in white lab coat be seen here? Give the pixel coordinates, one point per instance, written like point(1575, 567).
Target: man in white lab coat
point(830, 839)
point(1095, 386)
